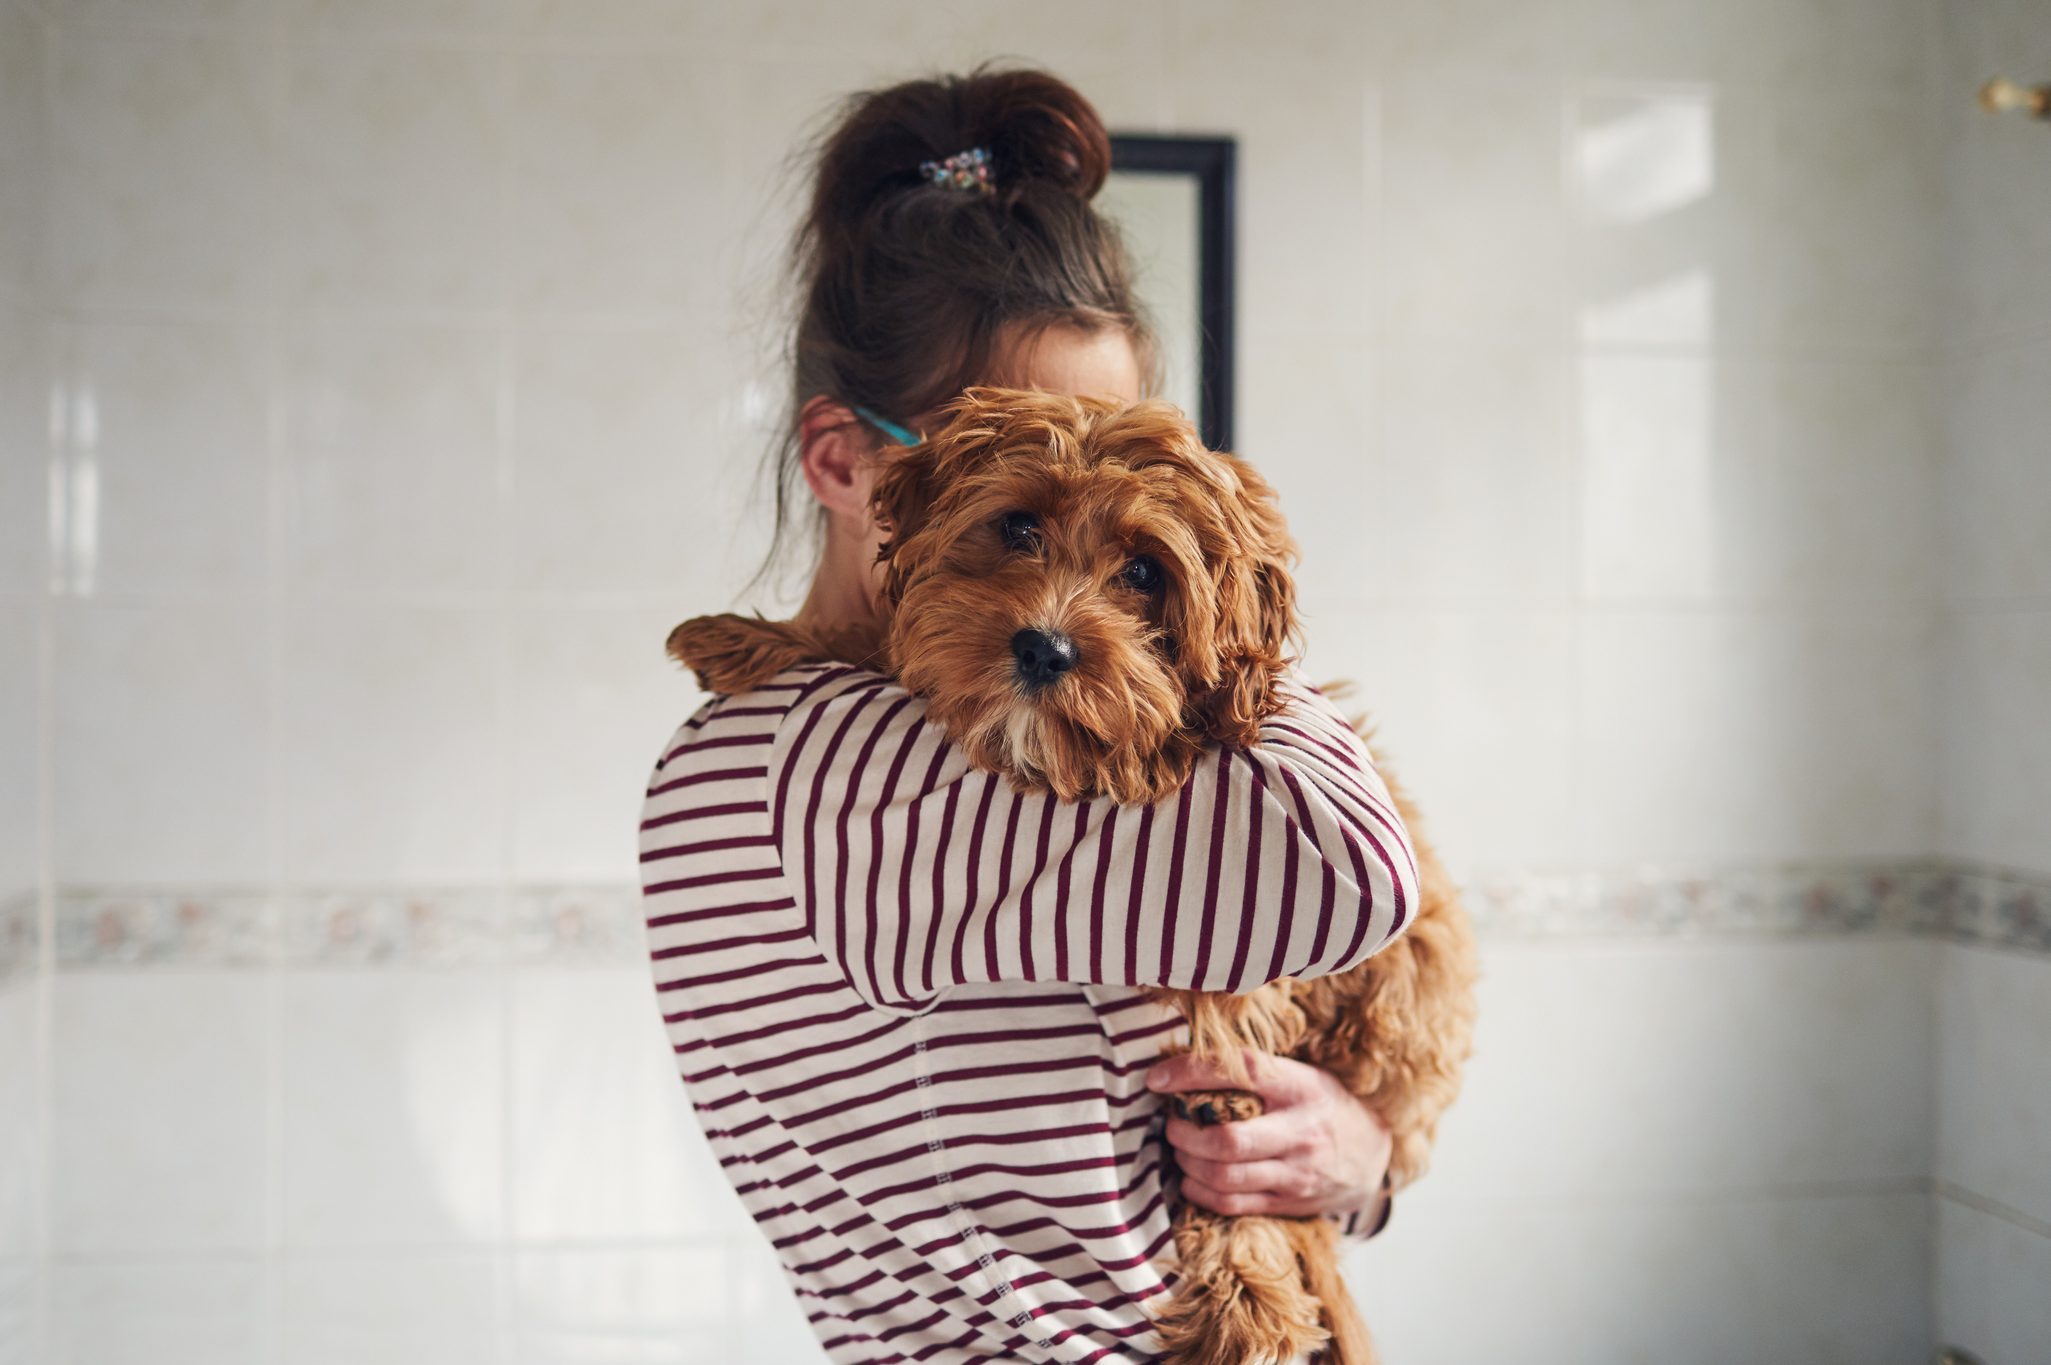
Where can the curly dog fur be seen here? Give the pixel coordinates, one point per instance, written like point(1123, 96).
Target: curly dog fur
point(1165, 567)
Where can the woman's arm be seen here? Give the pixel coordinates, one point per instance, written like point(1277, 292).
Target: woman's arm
point(917, 873)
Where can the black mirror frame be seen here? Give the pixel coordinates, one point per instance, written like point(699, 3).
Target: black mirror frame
point(1214, 162)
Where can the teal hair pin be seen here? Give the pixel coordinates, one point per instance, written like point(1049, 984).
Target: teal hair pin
point(888, 427)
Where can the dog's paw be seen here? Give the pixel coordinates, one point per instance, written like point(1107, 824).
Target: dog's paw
point(1207, 1108)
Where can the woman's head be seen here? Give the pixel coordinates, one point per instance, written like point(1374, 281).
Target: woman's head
point(909, 292)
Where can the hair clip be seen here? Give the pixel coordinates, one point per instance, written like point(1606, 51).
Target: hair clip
point(889, 428)
point(968, 170)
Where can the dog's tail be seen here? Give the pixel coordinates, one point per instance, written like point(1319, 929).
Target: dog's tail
point(1318, 1250)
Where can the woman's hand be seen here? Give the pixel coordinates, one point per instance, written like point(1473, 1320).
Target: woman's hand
point(1316, 1149)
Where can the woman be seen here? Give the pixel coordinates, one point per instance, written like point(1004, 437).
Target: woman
point(942, 1100)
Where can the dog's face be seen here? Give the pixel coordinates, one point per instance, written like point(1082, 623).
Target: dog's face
point(1082, 592)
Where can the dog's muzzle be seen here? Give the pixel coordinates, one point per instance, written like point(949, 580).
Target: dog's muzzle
point(1042, 656)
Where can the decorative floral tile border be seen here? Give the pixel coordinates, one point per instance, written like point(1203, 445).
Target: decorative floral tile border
point(601, 925)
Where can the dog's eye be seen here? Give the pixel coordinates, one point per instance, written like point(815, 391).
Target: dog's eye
point(1142, 575)
point(1019, 530)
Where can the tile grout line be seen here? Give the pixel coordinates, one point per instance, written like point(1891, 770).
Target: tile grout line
point(1993, 1208)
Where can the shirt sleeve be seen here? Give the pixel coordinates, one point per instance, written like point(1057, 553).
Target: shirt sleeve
point(1364, 1225)
point(917, 873)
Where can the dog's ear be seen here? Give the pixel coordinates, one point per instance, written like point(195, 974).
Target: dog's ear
point(1256, 596)
point(733, 654)
point(900, 501)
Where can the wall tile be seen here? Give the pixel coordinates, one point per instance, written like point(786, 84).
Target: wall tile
point(392, 461)
point(390, 743)
point(24, 137)
point(1686, 1283)
point(160, 743)
point(1474, 192)
point(612, 155)
point(169, 144)
point(397, 159)
point(1676, 475)
point(1307, 119)
point(643, 1306)
point(1857, 185)
point(1996, 754)
point(1837, 711)
point(24, 452)
point(169, 425)
point(605, 1144)
point(158, 1133)
point(1994, 1077)
point(21, 728)
point(1460, 699)
point(21, 1310)
point(1309, 420)
point(595, 699)
point(396, 1309)
point(1674, 241)
point(1856, 481)
point(1805, 1063)
point(21, 1112)
point(393, 1096)
point(1990, 1285)
point(1997, 490)
point(160, 1313)
point(1996, 208)
point(633, 465)
point(1473, 473)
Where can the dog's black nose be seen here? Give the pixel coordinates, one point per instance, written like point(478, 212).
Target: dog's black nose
point(1043, 656)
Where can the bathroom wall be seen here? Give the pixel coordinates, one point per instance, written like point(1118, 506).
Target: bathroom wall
point(393, 376)
point(22, 981)
point(1993, 1194)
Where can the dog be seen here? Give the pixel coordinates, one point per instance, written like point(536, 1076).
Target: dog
point(1087, 598)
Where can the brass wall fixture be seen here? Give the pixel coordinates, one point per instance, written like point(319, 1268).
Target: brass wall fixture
point(2001, 96)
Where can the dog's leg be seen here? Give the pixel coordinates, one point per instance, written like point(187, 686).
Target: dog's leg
point(1240, 1297)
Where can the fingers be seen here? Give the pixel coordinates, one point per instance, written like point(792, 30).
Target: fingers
point(1256, 1139)
point(1277, 1080)
point(1276, 1178)
point(1235, 1202)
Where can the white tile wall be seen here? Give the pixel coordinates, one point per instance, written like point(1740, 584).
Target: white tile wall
point(1991, 1275)
point(159, 1131)
point(392, 1102)
point(1993, 1224)
point(1656, 388)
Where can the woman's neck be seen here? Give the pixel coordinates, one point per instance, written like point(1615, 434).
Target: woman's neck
point(843, 586)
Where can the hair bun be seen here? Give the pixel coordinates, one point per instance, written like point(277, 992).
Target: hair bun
point(1042, 135)
point(1040, 131)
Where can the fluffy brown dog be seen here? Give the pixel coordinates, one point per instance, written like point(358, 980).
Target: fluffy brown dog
point(1086, 597)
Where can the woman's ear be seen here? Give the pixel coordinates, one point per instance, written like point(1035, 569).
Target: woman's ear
point(838, 456)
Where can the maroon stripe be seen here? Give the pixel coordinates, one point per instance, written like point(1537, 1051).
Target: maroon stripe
point(937, 913)
point(1249, 907)
point(1208, 918)
point(1132, 904)
point(707, 846)
point(717, 911)
point(1164, 966)
point(994, 972)
point(876, 842)
point(968, 901)
point(724, 742)
point(704, 813)
point(758, 874)
point(721, 945)
point(716, 775)
point(844, 856)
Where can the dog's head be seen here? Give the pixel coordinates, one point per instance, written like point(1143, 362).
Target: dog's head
point(1082, 592)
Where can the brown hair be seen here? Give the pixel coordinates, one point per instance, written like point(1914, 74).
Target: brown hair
point(904, 286)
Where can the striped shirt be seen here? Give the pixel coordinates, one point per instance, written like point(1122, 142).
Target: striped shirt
point(903, 996)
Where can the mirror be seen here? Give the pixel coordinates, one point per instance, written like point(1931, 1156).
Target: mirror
point(1173, 199)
